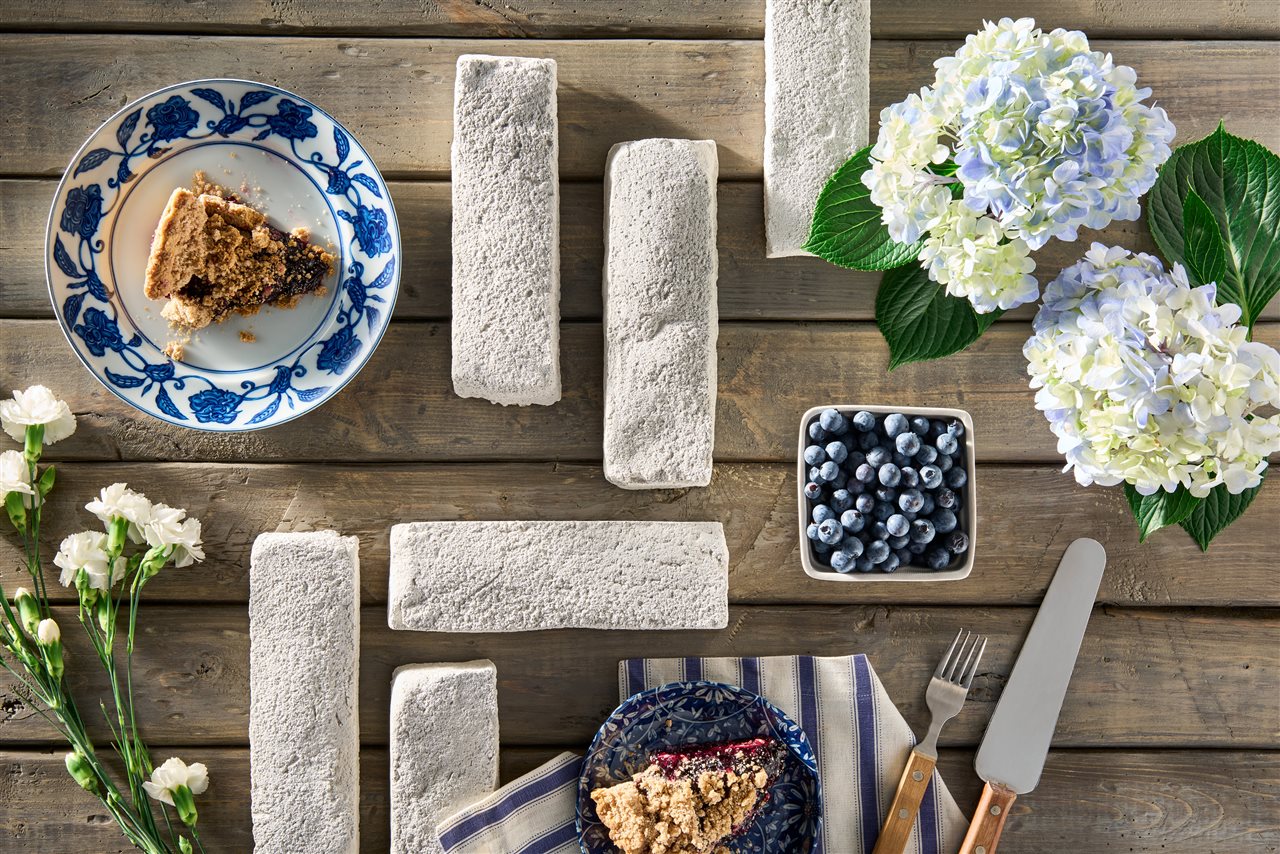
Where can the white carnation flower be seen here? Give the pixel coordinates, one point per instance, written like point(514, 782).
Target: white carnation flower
point(88, 551)
point(173, 774)
point(119, 501)
point(37, 405)
point(169, 527)
point(15, 474)
point(1146, 381)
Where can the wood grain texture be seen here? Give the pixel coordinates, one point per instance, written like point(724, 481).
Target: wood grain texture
point(1028, 516)
point(751, 287)
point(402, 407)
point(1095, 801)
point(396, 95)
point(1145, 677)
point(630, 19)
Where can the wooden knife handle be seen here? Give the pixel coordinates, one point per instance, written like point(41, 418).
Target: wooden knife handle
point(906, 804)
point(988, 820)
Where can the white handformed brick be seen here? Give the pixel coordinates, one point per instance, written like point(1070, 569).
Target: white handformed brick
point(660, 315)
point(304, 664)
point(506, 230)
point(519, 576)
point(444, 747)
point(816, 58)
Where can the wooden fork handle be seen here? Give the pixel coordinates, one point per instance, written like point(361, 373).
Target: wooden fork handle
point(988, 820)
point(906, 804)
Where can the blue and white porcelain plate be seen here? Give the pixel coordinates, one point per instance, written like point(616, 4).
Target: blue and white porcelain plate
point(285, 156)
point(686, 713)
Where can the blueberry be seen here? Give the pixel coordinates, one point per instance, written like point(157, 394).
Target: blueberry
point(812, 531)
point(867, 441)
point(927, 508)
point(936, 428)
point(814, 455)
point(877, 551)
point(816, 433)
point(830, 532)
point(863, 421)
point(841, 562)
point(879, 531)
point(829, 471)
point(946, 444)
point(931, 477)
point(945, 463)
point(897, 525)
point(815, 474)
point(908, 443)
point(895, 423)
point(856, 458)
point(917, 548)
point(890, 475)
point(911, 501)
point(926, 454)
point(841, 500)
point(884, 509)
point(910, 477)
point(957, 542)
point(841, 480)
point(938, 559)
point(863, 564)
point(947, 499)
point(898, 543)
point(944, 521)
point(957, 478)
point(865, 473)
point(820, 547)
point(851, 545)
point(922, 531)
point(890, 563)
point(956, 428)
point(833, 422)
point(838, 452)
point(822, 513)
point(920, 426)
point(854, 486)
point(852, 521)
point(812, 491)
point(865, 503)
point(877, 457)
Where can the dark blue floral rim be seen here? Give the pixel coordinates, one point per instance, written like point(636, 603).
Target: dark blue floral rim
point(699, 712)
point(152, 128)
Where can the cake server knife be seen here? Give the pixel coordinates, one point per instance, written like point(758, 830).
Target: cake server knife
point(1014, 748)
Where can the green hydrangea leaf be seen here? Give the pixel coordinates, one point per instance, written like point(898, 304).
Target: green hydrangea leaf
point(1161, 510)
point(920, 321)
point(1215, 512)
point(847, 230)
point(1206, 252)
point(1239, 182)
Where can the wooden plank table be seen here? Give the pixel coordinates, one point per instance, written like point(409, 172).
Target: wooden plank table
point(1167, 741)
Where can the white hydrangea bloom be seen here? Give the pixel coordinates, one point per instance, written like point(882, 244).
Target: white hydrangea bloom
point(15, 475)
point(119, 501)
point(167, 778)
point(37, 405)
point(1033, 131)
point(1146, 381)
point(88, 551)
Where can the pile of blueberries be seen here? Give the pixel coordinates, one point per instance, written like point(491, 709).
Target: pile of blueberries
point(885, 492)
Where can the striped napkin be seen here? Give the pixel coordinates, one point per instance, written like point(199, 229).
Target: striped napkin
point(859, 737)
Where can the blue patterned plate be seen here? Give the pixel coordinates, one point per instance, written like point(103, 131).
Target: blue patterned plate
point(685, 713)
point(283, 155)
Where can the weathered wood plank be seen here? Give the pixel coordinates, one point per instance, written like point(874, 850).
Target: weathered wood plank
point(1027, 518)
point(397, 93)
point(1145, 677)
point(1169, 801)
point(751, 286)
point(402, 408)
point(635, 18)
point(1153, 800)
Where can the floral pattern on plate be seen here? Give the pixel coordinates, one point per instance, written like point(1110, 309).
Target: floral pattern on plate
point(687, 713)
point(161, 126)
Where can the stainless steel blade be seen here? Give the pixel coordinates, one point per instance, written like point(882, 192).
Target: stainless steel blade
point(1018, 735)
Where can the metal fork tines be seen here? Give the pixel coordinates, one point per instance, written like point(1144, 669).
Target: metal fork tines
point(950, 684)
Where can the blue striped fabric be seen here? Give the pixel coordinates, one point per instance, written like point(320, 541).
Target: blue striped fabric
point(859, 737)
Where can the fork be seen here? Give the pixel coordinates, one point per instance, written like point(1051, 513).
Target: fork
point(945, 696)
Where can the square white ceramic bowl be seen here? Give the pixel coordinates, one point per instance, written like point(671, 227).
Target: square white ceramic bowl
point(968, 515)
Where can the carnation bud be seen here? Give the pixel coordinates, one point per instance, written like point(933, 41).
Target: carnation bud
point(184, 845)
point(49, 637)
point(28, 609)
point(80, 769)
